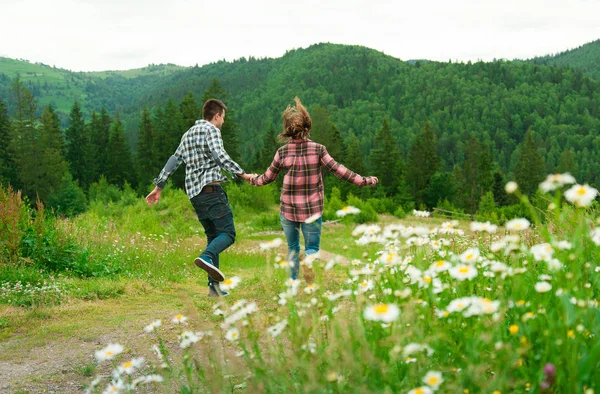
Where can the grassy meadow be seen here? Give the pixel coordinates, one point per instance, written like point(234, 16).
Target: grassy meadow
point(110, 301)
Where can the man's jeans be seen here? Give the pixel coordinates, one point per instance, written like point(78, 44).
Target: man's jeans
point(312, 240)
point(215, 214)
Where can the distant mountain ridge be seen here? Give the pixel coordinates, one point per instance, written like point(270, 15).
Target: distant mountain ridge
point(585, 58)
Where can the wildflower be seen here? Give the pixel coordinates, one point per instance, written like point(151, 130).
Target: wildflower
point(433, 379)
point(115, 387)
point(277, 328)
point(470, 255)
point(187, 338)
point(421, 214)
point(153, 378)
point(313, 218)
point(365, 286)
point(413, 348)
point(463, 271)
point(513, 329)
point(382, 312)
point(230, 283)
point(152, 326)
point(310, 288)
point(130, 366)
point(348, 210)
point(543, 287)
point(421, 390)
point(511, 187)
point(232, 335)
point(487, 227)
point(179, 319)
point(517, 224)
point(109, 352)
point(542, 252)
point(554, 181)
point(571, 334)
point(581, 195)
point(440, 266)
point(275, 243)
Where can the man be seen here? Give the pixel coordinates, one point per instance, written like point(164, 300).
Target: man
point(201, 149)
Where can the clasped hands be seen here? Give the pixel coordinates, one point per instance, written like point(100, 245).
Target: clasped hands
point(248, 177)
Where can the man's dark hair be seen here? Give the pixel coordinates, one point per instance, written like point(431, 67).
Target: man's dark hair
point(211, 108)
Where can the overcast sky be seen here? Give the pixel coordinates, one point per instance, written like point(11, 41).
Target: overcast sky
point(93, 35)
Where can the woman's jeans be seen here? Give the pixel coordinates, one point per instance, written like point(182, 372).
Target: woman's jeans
point(312, 240)
point(214, 212)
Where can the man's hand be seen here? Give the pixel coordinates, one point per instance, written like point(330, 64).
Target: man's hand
point(154, 196)
point(375, 180)
point(248, 177)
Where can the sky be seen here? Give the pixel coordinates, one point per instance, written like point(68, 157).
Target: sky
point(96, 35)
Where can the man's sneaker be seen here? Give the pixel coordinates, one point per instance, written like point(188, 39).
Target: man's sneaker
point(214, 290)
point(210, 269)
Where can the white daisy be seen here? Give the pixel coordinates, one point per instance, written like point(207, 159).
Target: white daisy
point(152, 326)
point(179, 319)
point(232, 334)
point(230, 283)
point(275, 243)
point(382, 312)
point(581, 195)
point(433, 379)
point(109, 352)
point(463, 271)
point(517, 224)
point(349, 210)
point(543, 287)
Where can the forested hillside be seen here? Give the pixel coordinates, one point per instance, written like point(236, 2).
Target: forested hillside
point(435, 133)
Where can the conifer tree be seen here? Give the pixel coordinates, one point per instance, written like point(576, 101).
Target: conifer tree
point(120, 163)
point(230, 129)
point(77, 142)
point(385, 160)
point(423, 162)
point(190, 111)
point(267, 151)
point(475, 177)
point(99, 130)
point(7, 168)
point(25, 144)
point(52, 164)
point(529, 171)
point(147, 168)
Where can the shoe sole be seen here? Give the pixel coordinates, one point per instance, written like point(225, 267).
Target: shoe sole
point(210, 269)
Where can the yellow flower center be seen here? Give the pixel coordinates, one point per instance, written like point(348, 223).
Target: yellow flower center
point(179, 317)
point(581, 191)
point(427, 279)
point(419, 391)
point(439, 263)
point(513, 329)
point(433, 381)
point(127, 364)
point(521, 302)
point(469, 256)
point(463, 270)
point(571, 333)
point(228, 281)
point(346, 209)
point(381, 308)
point(109, 352)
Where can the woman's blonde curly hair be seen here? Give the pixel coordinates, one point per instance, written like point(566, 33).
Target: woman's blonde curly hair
point(296, 122)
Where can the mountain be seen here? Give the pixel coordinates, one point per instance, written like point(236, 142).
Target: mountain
point(585, 58)
point(93, 90)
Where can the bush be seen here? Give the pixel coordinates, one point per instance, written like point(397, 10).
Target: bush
point(69, 200)
point(104, 192)
point(399, 213)
point(367, 212)
point(247, 197)
point(382, 205)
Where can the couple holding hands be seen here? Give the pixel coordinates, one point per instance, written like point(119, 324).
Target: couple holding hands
point(302, 194)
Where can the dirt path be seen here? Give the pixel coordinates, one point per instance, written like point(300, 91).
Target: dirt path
point(54, 354)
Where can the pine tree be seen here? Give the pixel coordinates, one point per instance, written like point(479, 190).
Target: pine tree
point(529, 171)
point(190, 112)
point(566, 162)
point(266, 153)
point(52, 164)
point(77, 141)
point(120, 164)
point(7, 167)
point(498, 185)
point(229, 129)
point(423, 162)
point(475, 177)
point(25, 144)
point(385, 160)
point(354, 159)
point(147, 168)
point(99, 130)
point(168, 133)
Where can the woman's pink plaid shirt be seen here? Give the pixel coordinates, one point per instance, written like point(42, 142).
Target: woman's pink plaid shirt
point(302, 195)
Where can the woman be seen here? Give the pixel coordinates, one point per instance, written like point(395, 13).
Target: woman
point(302, 195)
